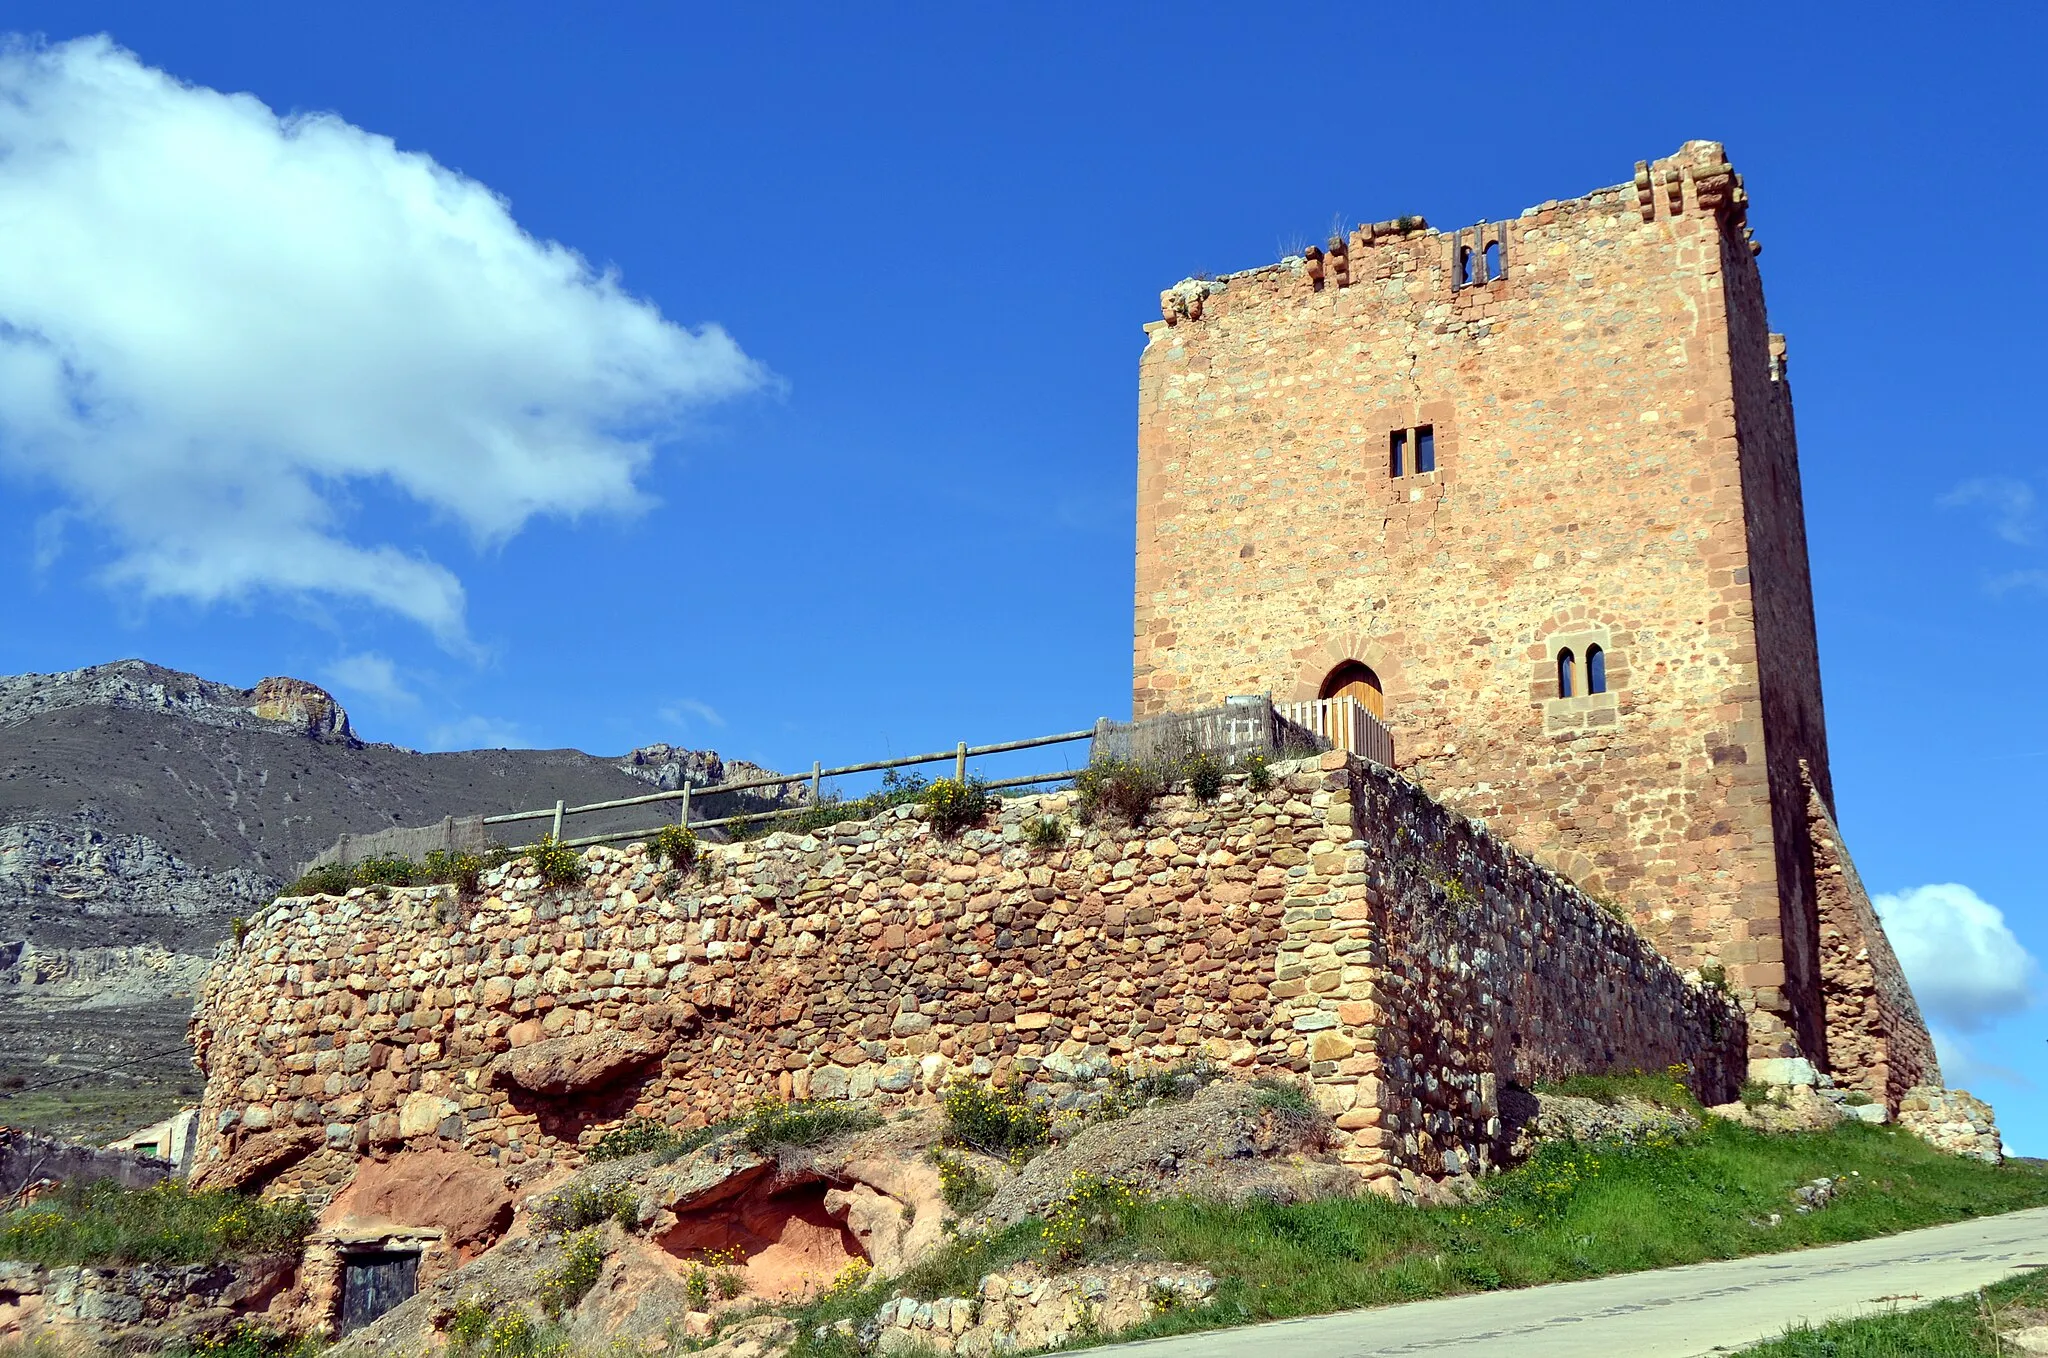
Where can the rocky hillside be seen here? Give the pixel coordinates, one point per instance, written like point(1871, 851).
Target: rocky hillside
point(141, 809)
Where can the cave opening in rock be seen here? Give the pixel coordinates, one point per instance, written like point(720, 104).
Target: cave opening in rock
point(787, 1243)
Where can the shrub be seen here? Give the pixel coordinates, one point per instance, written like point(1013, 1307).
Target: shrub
point(559, 864)
point(1258, 774)
point(167, 1223)
point(965, 1189)
point(384, 870)
point(897, 789)
point(245, 1340)
point(1204, 772)
point(1094, 1211)
point(329, 879)
point(1123, 789)
point(953, 805)
point(581, 1205)
point(638, 1136)
point(1857, 1098)
point(1714, 976)
point(1128, 1093)
point(998, 1121)
point(470, 1323)
point(479, 1330)
point(774, 1125)
point(561, 1289)
point(464, 871)
point(675, 845)
point(1045, 833)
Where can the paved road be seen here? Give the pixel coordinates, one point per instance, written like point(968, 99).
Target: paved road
point(1688, 1312)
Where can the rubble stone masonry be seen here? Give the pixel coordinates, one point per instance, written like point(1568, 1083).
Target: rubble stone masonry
point(1340, 928)
point(1615, 466)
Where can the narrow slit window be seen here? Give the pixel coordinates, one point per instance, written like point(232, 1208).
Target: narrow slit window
point(1425, 449)
point(1565, 673)
point(1397, 452)
point(1596, 670)
point(1492, 260)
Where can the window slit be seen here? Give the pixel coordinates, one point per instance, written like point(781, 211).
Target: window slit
point(1565, 666)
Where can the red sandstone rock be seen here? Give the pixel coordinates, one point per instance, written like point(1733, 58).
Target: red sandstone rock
point(466, 1198)
point(566, 1065)
point(257, 1159)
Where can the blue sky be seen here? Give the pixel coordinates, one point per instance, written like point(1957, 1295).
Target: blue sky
point(885, 503)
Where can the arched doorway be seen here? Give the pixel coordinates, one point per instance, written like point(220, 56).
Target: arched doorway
point(1354, 680)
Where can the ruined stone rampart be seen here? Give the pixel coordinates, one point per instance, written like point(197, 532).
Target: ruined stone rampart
point(1340, 928)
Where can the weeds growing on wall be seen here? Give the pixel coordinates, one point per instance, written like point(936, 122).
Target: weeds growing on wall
point(1258, 774)
point(1204, 774)
point(461, 869)
point(1047, 834)
point(953, 805)
point(675, 845)
point(167, 1223)
point(557, 863)
point(1118, 788)
point(898, 789)
point(772, 1125)
point(998, 1121)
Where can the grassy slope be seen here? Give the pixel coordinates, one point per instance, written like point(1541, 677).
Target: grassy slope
point(1964, 1328)
point(1573, 1212)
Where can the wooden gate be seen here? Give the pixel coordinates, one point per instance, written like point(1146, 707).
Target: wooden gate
point(372, 1284)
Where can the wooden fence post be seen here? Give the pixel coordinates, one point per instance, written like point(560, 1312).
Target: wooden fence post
point(559, 804)
point(686, 802)
point(960, 764)
point(817, 771)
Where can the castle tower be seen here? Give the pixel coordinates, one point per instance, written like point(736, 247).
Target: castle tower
point(1532, 488)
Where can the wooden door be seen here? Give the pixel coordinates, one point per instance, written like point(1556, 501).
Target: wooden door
point(1356, 681)
point(372, 1284)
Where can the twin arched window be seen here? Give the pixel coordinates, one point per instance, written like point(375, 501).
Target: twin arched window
point(1568, 672)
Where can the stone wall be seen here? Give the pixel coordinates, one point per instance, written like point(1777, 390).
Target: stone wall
point(1615, 465)
point(136, 1307)
point(1877, 1041)
point(1312, 930)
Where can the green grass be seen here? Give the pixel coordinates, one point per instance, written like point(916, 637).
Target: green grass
point(1574, 1211)
point(1963, 1328)
point(1664, 1089)
point(773, 1125)
point(103, 1223)
point(95, 1113)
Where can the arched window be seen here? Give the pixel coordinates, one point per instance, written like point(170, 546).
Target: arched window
point(1464, 266)
point(1354, 680)
point(1492, 260)
point(1565, 673)
point(1596, 670)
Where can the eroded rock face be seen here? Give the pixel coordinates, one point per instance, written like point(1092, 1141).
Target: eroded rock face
point(464, 1198)
point(580, 1061)
point(135, 1306)
point(259, 1157)
point(1562, 1117)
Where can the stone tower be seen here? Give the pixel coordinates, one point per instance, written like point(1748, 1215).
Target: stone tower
point(1535, 484)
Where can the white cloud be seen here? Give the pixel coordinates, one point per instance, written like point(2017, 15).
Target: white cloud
point(371, 676)
point(2010, 500)
point(1965, 966)
point(478, 733)
point(218, 327)
point(679, 713)
point(1963, 1068)
point(2012, 580)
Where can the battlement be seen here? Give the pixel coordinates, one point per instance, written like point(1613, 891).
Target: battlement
point(1696, 181)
